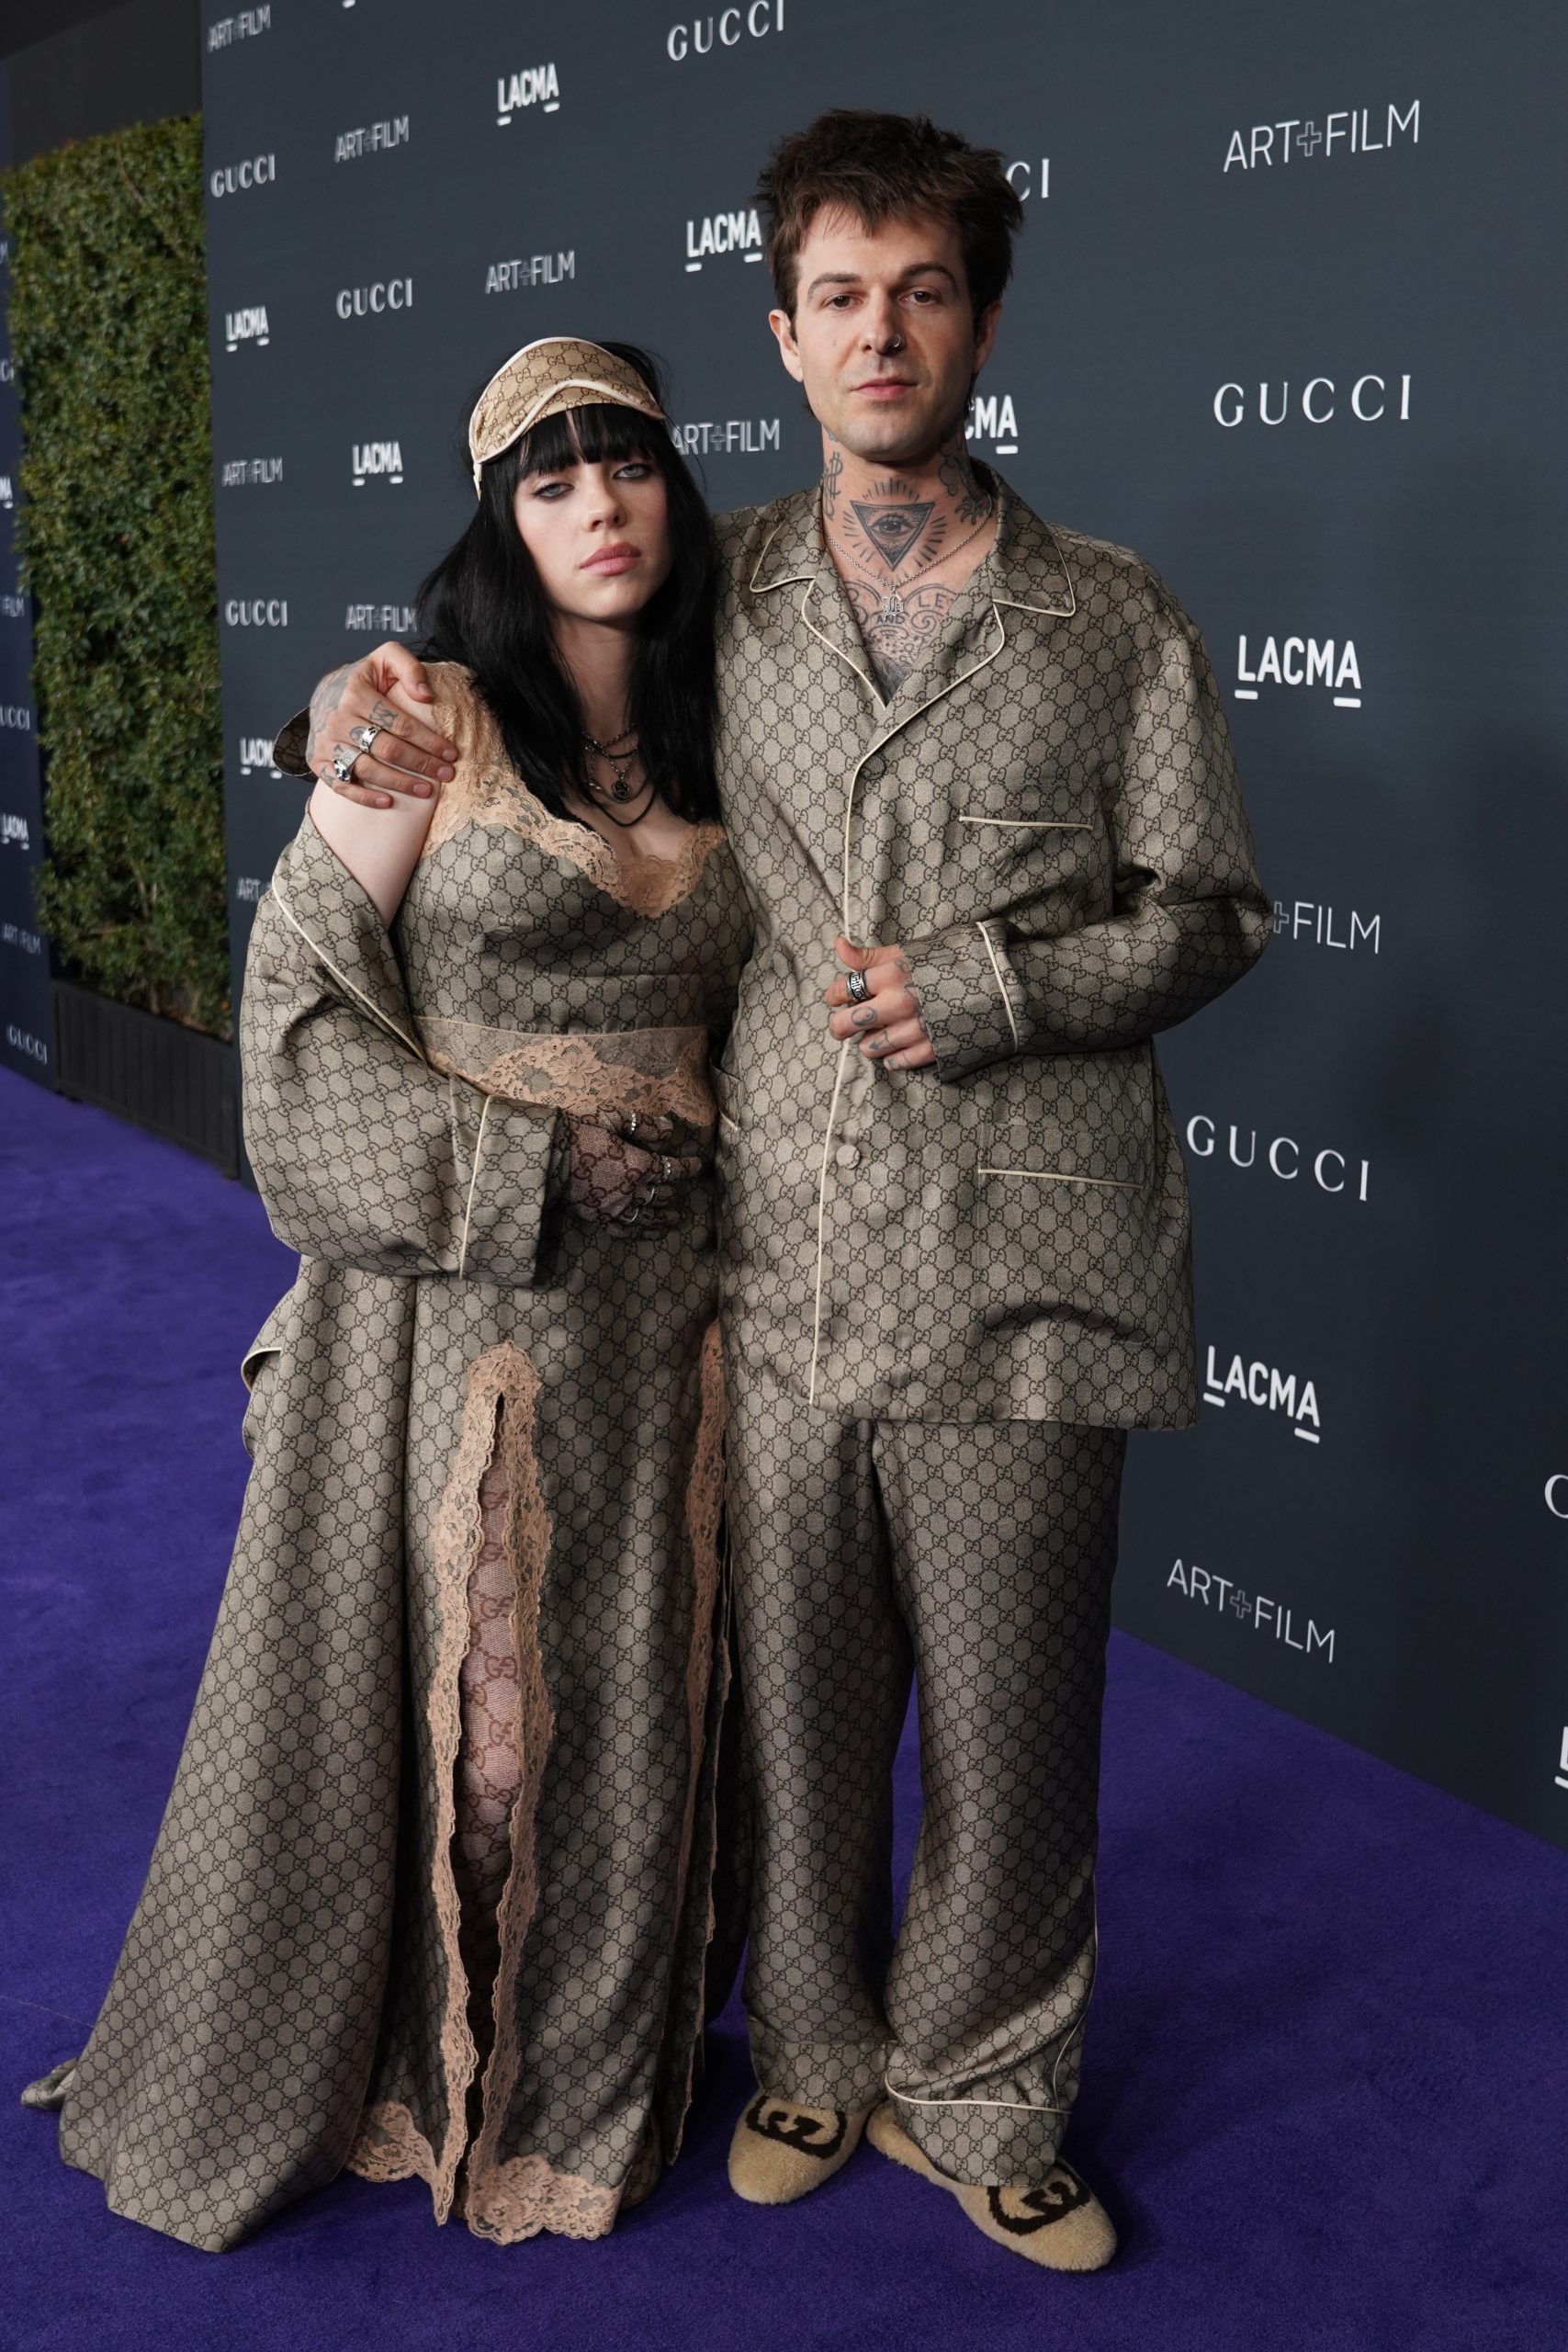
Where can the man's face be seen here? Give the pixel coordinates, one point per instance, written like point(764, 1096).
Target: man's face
point(883, 338)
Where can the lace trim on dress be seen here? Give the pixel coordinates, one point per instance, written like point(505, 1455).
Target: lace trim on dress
point(528, 2194)
point(485, 791)
point(497, 1428)
point(489, 1770)
point(512, 2199)
point(389, 2145)
point(491, 1726)
point(588, 1074)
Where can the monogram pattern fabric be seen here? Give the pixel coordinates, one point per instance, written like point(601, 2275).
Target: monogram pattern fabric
point(949, 1292)
point(981, 1555)
point(1046, 816)
point(468, 1412)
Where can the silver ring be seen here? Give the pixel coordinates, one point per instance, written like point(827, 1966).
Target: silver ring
point(631, 1126)
point(342, 765)
point(855, 987)
point(630, 1216)
point(666, 1168)
point(364, 736)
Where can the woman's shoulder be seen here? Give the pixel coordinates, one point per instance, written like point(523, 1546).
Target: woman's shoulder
point(485, 790)
point(459, 710)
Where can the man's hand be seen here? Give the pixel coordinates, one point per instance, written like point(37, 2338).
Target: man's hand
point(889, 1022)
point(383, 691)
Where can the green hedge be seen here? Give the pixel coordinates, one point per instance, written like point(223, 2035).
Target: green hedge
point(108, 327)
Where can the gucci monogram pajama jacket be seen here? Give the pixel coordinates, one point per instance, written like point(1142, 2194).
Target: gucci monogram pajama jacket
point(948, 1292)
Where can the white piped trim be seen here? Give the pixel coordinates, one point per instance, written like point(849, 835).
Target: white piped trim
point(473, 1182)
point(1001, 984)
point(342, 977)
point(882, 741)
point(1025, 2105)
point(869, 684)
point(822, 1220)
point(1028, 824)
point(1063, 1176)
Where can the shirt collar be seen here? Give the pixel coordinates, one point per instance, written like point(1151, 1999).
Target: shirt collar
point(1025, 567)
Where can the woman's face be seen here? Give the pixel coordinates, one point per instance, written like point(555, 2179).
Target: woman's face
point(599, 536)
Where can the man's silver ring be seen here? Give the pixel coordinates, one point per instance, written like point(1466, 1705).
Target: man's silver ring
point(855, 987)
point(364, 736)
point(342, 765)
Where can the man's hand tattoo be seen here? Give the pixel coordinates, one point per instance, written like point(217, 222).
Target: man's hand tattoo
point(323, 702)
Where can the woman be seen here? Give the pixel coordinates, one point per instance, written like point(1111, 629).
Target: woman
point(432, 1895)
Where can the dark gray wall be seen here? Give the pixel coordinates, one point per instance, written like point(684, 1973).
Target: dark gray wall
point(1289, 318)
point(78, 71)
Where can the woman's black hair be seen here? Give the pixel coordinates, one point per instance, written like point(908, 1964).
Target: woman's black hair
point(484, 606)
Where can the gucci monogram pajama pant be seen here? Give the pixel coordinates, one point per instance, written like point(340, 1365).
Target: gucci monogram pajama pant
point(981, 1556)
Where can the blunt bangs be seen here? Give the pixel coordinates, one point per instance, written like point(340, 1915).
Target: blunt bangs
point(597, 435)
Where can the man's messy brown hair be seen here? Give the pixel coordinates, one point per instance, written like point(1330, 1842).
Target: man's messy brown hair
point(882, 167)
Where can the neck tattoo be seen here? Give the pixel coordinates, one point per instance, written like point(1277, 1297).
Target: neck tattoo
point(884, 541)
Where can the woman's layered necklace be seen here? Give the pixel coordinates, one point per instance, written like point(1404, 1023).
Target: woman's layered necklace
point(620, 756)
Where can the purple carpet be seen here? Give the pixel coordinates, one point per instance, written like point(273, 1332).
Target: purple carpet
point(1328, 2074)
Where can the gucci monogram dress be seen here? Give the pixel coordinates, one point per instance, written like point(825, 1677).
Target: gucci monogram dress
point(431, 1896)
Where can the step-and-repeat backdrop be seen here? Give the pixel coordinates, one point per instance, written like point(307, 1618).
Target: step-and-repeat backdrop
point(27, 1017)
point(1288, 318)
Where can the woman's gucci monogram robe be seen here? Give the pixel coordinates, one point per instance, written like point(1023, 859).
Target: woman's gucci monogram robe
point(432, 1895)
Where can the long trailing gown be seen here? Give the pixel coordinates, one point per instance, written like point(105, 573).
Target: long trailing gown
point(432, 1895)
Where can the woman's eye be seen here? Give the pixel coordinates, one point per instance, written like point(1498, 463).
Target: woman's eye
point(637, 469)
point(549, 490)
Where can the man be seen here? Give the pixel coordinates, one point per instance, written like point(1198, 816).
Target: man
point(982, 762)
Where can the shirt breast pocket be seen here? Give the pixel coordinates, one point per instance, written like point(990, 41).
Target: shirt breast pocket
point(1018, 838)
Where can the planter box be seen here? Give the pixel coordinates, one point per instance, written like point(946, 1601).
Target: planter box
point(173, 1081)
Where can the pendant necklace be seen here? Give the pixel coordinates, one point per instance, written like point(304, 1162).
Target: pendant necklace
point(621, 790)
point(619, 763)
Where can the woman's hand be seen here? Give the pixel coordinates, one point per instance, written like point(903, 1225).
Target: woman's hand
point(610, 1179)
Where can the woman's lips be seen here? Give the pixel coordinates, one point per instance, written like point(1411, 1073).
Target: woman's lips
point(609, 561)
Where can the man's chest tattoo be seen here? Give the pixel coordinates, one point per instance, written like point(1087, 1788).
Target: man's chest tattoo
point(898, 626)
